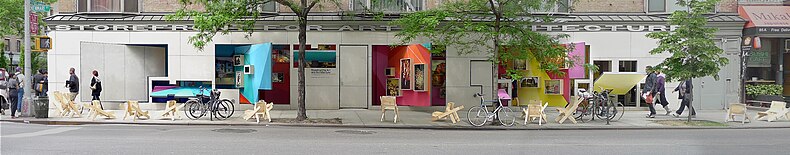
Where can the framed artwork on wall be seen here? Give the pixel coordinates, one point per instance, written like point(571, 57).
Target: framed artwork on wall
point(390, 71)
point(439, 68)
point(519, 64)
point(420, 80)
point(238, 60)
point(278, 77)
point(405, 74)
point(393, 87)
point(553, 87)
point(239, 79)
point(530, 82)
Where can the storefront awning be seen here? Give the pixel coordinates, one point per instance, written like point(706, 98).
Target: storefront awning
point(766, 19)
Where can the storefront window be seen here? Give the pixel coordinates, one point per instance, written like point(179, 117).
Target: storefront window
point(603, 66)
point(628, 66)
point(6, 44)
point(656, 6)
point(323, 56)
point(107, 6)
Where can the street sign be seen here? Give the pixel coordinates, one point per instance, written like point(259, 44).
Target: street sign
point(33, 23)
point(37, 6)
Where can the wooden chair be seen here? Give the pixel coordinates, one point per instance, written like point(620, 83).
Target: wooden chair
point(567, 113)
point(67, 106)
point(133, 109)
point(172, 110)
point(389, 103)
point(95, 110)
point(775, 112)
point(449, 110)
point(737, 109)
point(261, 109)
point(535, 110)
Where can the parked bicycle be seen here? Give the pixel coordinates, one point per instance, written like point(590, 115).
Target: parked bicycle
point(598, 105)
point(212, 105)
point(479, 115)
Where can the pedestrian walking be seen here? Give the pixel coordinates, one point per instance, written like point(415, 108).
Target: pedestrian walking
point(39, 82)
point(685, 92)
point(21, 91)
point(660, 88)
point(73, 84)
point(13, 88)
point(96, 87)
point(649, 91)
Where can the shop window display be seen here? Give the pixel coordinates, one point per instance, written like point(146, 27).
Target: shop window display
point(325, 56)
point(419, 77)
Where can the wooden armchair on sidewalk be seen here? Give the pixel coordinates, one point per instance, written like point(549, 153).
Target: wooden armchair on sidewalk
point(775, 112)
point(737, 109)
point(66, 106)
point(261, 109)
point(95, 110)
point(389, 103)
point(567, 112)
point(535, 111)
point(172, 110)
point(449, 111)
point(133, 109)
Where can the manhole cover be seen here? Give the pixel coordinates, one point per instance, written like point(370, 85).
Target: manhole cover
point(358, 132)
point(234, 130)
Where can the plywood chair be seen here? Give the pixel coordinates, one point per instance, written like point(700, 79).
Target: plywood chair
point(133, 109)
point(449, 111)
point(261, 109)
point(535, 111)
point(95, 110)
point(567, 113)
point(775, 112)
point(389, 103)
point(737, 109)
point(172, 110)
point(68, 106)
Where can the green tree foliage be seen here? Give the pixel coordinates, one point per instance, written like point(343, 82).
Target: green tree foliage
point(243, 14)
point(12, 16)
point(501, 27)
point(693, 53)
point(39, 60)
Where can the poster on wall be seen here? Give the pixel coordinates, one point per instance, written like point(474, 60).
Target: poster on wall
point(278, 77)
point(439, 69)
point(238, 60)
point(419, 77)
point(239, 79)
point(553, 87)
point(530, 82)
point(393, 88)
point(317, 59)
point(405, 74)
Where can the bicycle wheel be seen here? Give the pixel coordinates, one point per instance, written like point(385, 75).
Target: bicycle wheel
point(194, 109)
point(224, 109)
point(619, 111)
point(583, 112)
point(607, 111)
point(477, 116)
point(506, 116)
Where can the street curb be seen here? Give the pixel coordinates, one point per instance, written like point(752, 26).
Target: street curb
point(424, 127)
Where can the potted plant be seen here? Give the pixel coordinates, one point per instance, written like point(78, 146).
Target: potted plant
point(765, 92)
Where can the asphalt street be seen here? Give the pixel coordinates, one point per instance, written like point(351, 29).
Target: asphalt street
point(35, 139)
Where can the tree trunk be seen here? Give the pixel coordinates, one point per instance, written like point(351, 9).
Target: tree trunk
point(302, 112)
point(495, 59)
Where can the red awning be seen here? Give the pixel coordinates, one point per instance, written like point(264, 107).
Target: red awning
point(765, 16)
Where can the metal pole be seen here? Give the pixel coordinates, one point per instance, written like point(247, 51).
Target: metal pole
point(27, 83)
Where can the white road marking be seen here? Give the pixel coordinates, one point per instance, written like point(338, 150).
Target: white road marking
point(43, 132)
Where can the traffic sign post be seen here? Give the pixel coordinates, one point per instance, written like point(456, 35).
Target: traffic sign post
point(37, 6)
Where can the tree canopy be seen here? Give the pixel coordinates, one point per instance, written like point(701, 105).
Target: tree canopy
point(693, 53)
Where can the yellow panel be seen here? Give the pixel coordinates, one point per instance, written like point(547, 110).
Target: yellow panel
point(620, 82)
point(525, 94)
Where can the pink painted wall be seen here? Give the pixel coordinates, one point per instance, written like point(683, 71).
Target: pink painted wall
point(578, 56)
point(417, 54)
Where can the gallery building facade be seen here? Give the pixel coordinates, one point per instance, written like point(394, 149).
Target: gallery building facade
point(143, 57)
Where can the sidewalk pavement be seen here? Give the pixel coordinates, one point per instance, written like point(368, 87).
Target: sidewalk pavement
point(416, 120)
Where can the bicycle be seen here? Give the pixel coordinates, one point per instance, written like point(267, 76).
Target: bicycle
point(218, 108)
point(598, 105)
point(479, 115)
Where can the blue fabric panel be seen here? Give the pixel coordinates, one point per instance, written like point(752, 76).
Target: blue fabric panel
point(260, 57)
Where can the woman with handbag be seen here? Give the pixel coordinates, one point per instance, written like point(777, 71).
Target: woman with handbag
point(96, 87)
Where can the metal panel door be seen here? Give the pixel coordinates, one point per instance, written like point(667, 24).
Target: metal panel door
point(353, 66)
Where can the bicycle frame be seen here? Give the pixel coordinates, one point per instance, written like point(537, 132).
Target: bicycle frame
point(483, 104)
